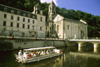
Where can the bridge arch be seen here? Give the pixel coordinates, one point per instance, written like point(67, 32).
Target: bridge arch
point(88, 46)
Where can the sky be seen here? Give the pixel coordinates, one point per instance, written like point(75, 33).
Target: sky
point(89, 6)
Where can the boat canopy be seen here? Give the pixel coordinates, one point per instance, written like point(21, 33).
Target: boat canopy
point(39, 48)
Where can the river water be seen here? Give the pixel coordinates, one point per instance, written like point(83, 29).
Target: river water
point(72, 57)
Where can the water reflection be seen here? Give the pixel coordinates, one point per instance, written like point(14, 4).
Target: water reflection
point(72, 57)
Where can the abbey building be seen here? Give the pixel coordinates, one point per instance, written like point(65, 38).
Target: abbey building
point(16, 22)
point(61, 27)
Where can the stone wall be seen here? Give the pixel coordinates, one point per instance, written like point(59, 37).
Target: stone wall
point(33, 43)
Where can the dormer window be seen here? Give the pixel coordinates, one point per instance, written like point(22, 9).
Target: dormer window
point(5, 9)
point(12, 11)
point(34, 17)
point(18, 12)
point(28, 15)
point(24, 14)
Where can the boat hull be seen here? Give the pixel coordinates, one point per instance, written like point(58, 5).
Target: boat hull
point(39, 58)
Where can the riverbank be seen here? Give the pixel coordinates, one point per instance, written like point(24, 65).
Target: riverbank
point(15, 43)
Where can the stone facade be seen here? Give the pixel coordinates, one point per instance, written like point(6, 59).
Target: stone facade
point(66, 27)
point(16, 22)
point(51, 15)
point(61, 27)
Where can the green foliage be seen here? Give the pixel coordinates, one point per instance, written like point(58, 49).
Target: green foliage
point(92, 21)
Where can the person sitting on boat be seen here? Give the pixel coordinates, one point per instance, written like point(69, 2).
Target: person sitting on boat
point(42, 52)
point(39, 53)
point(32, 54)
point(25, 55)
point(49, 51)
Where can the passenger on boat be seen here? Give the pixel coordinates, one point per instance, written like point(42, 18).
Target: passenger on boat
point(48, 51)
point(39, 53)
point(42, 52)
point(20, 55)
point(32, 53)
point(25, 55)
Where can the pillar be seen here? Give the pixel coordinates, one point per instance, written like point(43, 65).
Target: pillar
point(79, 46)
point(95, 46)
point(96, 50)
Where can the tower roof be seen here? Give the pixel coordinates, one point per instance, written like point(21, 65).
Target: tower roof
point(52, 3)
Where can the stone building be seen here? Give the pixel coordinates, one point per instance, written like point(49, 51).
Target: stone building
point(18, 22)
point(66, 27)
point(61, 27)
point(50, 27)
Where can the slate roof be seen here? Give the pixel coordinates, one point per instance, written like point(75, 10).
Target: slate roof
point(22, 12)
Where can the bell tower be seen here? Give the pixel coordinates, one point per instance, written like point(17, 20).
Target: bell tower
point(36, 9)
point(51, 15)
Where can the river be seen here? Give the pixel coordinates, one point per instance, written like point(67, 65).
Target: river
point(72, 57)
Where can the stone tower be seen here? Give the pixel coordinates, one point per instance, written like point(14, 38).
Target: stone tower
point(36, 9)
point(51, 15)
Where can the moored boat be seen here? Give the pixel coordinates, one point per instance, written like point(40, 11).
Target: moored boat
point(37, 54)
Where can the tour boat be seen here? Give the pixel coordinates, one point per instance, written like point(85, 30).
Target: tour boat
point(37, 54)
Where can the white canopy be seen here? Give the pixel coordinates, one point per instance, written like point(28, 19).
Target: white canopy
point(39, 48)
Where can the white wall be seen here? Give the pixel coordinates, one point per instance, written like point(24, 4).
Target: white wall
point(37, 24)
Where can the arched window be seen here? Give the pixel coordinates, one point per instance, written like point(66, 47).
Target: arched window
point(58, 28)
point(12, 11)
point(5, 9)
point(18, 12)
point(24, 14)
point(28, 15)
point(34, 17)
point(41, 19)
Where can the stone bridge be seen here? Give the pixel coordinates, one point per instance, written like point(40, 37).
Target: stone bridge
point(80, 42)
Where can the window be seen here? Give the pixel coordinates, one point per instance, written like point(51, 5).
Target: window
point(18, 18)
point(50, 28)
point(4, 23)
point(33, 21)
point(40, 28)
point(58, 28)
point(11, 24)
point(12, 11)
point(28, 15)
point(28, 20)
point(24, 14)
point(5, 15)
point(11, 17)
point(34, 17)
point(18, 12)
point(33, 27)
point(17, 24)
point(23, 19)
point(28, 27)
point(41, 19)
point(23, 25)
point(5, 9)
point(67, 26)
